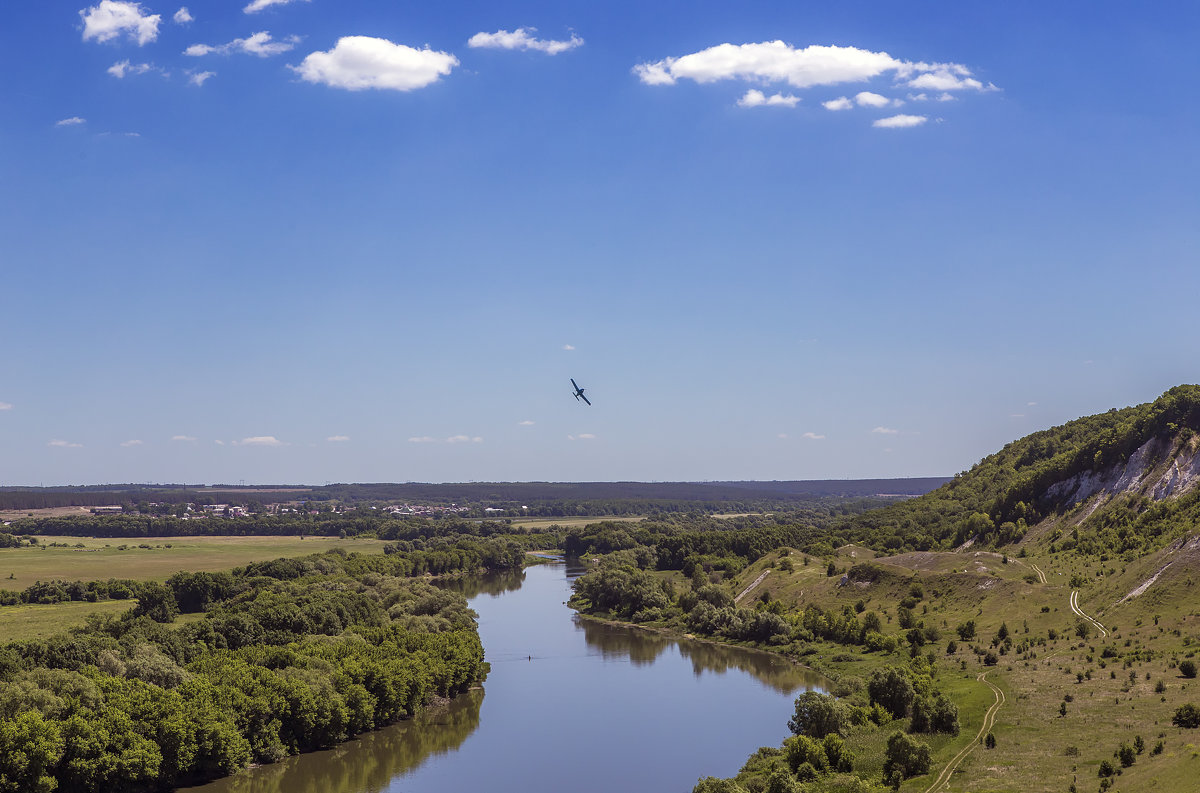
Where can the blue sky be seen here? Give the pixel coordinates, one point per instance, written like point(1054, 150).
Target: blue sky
point(371, 241)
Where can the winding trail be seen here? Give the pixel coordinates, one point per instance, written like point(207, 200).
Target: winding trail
point(1074, 601)
point(989, 721)
point(1041, 576)
point(750, 588)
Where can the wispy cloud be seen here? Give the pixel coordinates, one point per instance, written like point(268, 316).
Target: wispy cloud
point(65, 444)
point(260, 44)
point(261, 5)
point(259, 440)
point(522, 39)
point(73, 121)
point(8, 406)
point(568, 347)
point(199, 78)
point(1030, 404)
point(756, 98)
point(359, 62)
point(183, 16)
point(583, 436)
point(124, 68)
point(182, 438)
point(338, 438)
point(111, 18)
point(885, 431)
point(812, 436)
point(219, 442)
point(464, 439)
point(129, 443)
point(423, 439)
point(525, 423)
point(899, 121)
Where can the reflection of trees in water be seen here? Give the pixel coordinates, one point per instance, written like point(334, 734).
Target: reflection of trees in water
point(493, 584)
point(640, 647)
point(643, 647)
point(369, 763)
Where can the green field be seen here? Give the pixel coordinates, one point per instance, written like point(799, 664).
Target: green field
point(103, 558)
point(571, 522)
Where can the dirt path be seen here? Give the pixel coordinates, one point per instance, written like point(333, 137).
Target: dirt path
point(1041, 576)
point(748, 589)
point(989, 721)
point(1074, 601)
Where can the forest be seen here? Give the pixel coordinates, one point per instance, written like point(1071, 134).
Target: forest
point(288, 656)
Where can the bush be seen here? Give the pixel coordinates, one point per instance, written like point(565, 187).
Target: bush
point(906, 755)
point(1187, 716)
point(1187, 668)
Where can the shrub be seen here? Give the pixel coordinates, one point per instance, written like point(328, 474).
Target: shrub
point(1187, 668)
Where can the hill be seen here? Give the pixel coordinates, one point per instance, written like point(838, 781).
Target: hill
point(1135, 467)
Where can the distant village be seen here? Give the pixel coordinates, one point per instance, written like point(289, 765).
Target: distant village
point(196, 511)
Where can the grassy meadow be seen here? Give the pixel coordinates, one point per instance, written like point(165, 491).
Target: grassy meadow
point(149, 558)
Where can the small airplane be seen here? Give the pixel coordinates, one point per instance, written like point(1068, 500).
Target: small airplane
point(579, 392)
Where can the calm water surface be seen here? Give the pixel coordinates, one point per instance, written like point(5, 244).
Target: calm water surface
point(569, 705)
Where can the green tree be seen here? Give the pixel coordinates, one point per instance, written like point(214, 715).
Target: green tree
point(906, 756)
point(30, 747)
point(818, 715)
point(1187, 668)
point(892, 689)
point(1187, 716)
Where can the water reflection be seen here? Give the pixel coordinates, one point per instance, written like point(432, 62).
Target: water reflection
point(369, 763)
point(643, 647)
point(492, 584)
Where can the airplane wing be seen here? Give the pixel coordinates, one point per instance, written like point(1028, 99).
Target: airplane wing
point(585, 399)
point(573, 384)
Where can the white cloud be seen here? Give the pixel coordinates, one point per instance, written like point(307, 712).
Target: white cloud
point(183, 16)
point(1016, 415)
point(898, 121)
point(259, 5)
point(358, 62)
point(73, 121)
point(464, 439)
point(525, 423)
point(771, 61)
point(8, 406)
point(260, 44)
point(756, 98)
point(885, 431)
point(812, 436)
point(583, 436)
point(182, 438)
point(783, 435)
point(521, 39)
point(568, 347)
point(199, 78)
point(1030, 404)
point(259, 440)
point(948, 77)
point(423, 439)
point(338, 438)
point(815, 65)
point(219, 443)
point(123, 68)
point(134, 442)
point(869, 99)
point(65, 444)
point(111, 18)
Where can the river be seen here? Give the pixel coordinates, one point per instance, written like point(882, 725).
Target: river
point(569, 704)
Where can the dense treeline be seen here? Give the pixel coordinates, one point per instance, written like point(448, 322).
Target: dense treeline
point(1006, 492)
point(359, 523)
point(537, 499)
point(291, 655)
